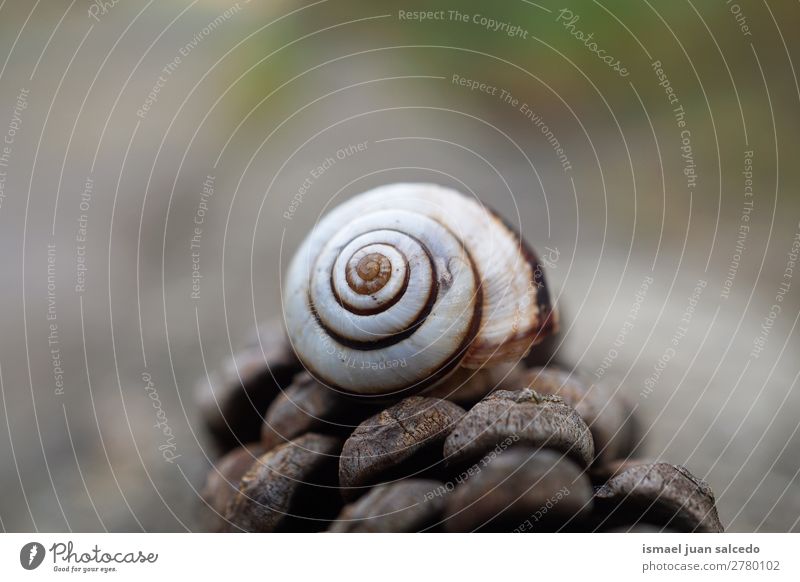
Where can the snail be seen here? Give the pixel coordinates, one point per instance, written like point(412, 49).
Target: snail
point(398, 287)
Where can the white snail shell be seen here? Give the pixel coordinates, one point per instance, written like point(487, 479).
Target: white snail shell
point(398, 287)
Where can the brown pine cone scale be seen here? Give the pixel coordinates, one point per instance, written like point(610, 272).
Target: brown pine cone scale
point(552, 454)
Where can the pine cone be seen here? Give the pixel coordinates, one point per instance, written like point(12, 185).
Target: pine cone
point(232, 400)
point(516, 450)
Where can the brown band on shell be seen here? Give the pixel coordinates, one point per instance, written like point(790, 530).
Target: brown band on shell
point(368, 291)
point(383, 342)
point(423, 313)
point(444, 369)
point(374, 270)
point(455, 360)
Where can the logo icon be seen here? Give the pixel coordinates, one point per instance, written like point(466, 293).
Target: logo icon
point(31, 555)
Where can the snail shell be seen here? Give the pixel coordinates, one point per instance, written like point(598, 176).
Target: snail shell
point(399, 286)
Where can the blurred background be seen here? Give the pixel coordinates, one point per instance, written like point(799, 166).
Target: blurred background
point(158, 168)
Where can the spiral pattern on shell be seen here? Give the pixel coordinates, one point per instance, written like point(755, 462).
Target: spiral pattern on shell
point(399, 286)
